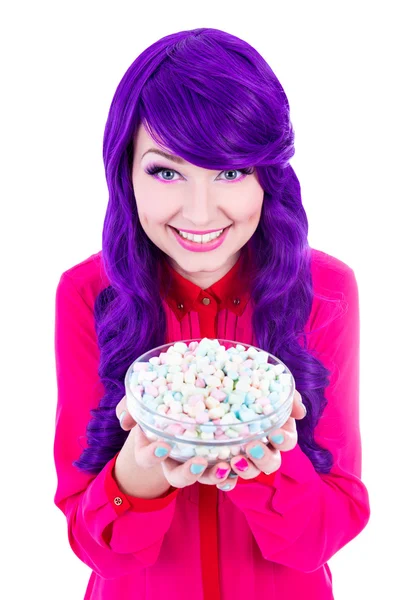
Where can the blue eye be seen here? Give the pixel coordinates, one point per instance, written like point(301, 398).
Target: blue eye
point(155, 169)
point(247, 171)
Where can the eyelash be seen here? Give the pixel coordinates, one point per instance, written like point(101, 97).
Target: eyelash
point(154, 169)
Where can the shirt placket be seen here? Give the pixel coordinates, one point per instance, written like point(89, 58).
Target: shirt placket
point(207, 309)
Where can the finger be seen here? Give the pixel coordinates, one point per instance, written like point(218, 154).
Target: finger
point(217, 474)
point(126, 421)
point(148, 454)
point(284, 438)
point(180, 475)
point(299, 410)
point(228, 485)
point(267, 459)
point(244, 467)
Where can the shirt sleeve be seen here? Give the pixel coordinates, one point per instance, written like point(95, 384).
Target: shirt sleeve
point(112, 533)
point(121, 500)
point(304, 517)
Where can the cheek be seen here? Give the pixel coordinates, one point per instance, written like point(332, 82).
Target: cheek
point(151, 208)
point(250, 210)
point(254, 208)
point(153, 212)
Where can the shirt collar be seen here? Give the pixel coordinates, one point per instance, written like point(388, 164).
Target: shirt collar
point(231, 291)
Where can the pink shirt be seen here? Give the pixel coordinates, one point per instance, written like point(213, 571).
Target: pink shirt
point(272, 536)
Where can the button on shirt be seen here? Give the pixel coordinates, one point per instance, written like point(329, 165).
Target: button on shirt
point(269, 537)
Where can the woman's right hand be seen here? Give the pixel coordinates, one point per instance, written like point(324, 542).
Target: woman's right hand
point(177, 474)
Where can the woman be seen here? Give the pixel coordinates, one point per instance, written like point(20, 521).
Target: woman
point(199, 139)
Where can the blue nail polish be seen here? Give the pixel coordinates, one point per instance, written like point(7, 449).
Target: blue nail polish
point(225, 488)
point(196, 469)
point(277, 439)
point(121, 417)
point(160, 451)
point(232, 475)
point(257, 452)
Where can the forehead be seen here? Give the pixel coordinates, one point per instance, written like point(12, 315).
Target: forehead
point(143, 142)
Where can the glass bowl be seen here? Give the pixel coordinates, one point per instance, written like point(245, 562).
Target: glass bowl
point(189, 437)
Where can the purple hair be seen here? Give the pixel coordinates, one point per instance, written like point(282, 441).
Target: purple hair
point(210, 98)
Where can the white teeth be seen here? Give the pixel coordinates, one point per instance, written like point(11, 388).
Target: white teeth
point(200, 239)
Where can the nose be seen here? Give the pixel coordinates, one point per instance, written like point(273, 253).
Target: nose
point(199, 207)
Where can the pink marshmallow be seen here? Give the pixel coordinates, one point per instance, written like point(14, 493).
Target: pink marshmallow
point(141, 366)
point(174, 429)
point(202, 417)
point(248, 363)
point(194, 399)
point(152, 390)
point(218, 394)
point(189, 427)
point(262, 401)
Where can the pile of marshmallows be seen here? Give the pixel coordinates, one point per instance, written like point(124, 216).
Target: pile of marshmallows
point(215, 394)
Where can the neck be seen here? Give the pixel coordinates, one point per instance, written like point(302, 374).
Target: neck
point(205, 279)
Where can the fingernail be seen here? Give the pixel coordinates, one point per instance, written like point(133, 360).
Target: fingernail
point(160, 451)
point(220, 473)
point(225, 488)
point(196, 469)
point(277, 439)
point(232, 475)
point(241, 465)
point(121, 417)
point(257, 452)
point(305, 410)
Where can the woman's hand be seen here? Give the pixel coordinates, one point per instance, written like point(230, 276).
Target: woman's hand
point(267, 459)
point(164, 470)
point(179, 475)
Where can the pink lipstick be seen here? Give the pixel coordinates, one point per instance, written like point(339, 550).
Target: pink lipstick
point(200, 247)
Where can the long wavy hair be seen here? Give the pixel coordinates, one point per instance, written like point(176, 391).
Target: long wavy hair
point(212, 99)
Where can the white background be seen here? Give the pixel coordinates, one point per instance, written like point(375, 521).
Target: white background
point(60, 65)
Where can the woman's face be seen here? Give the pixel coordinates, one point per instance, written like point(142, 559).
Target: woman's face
point(182, 196)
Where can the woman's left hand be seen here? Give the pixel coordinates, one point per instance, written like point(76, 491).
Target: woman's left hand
point(267, 459)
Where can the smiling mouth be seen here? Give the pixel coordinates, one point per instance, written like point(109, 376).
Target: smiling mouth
point(200, 239)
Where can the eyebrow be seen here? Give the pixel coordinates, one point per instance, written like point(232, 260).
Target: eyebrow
point(172, 157)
